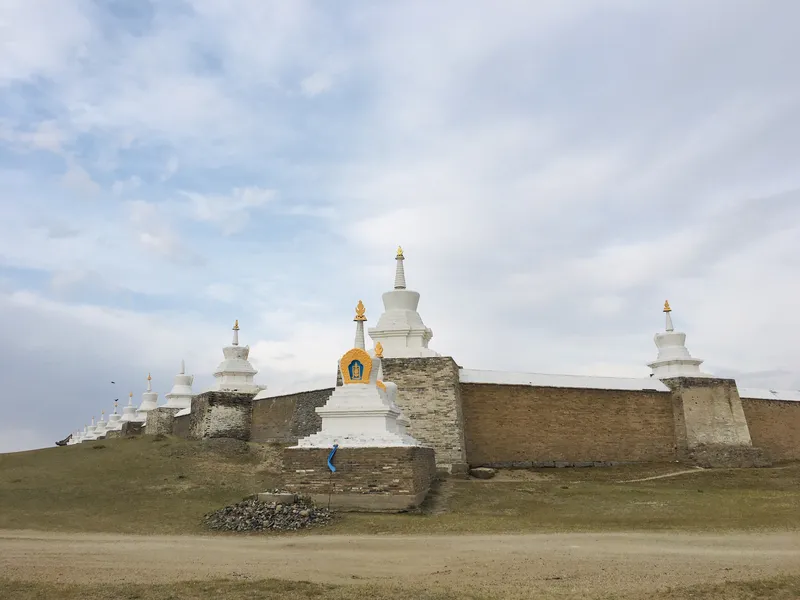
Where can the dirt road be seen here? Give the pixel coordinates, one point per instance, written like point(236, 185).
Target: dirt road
point(574, 562)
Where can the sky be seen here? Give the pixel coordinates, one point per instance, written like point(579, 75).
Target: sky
point(553, 170)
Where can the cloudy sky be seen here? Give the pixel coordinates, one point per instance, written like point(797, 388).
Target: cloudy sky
point(553, 170)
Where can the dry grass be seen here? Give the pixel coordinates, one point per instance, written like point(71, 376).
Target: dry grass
point(779, 588)
point(144, 485)
point(149, 485)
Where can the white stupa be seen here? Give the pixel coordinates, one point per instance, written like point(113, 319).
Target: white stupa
point(89, 435)
point(129, 412)
point(100, 428)
point(673, 358)
point(400, 328)
point(149, 402)
point(235, 373)
point(180, 396)
point(114, 420)
point(361, 412)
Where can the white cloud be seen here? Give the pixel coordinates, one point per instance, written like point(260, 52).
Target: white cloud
point(230, 212)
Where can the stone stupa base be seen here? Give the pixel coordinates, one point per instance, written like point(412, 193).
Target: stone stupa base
point(370, 479)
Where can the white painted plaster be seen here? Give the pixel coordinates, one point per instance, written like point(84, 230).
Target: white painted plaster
point(759, 394)
point(561, 381)
point(235, 373)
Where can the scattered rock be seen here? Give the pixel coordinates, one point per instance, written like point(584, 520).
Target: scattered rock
point(254, 515)
point(482, 473)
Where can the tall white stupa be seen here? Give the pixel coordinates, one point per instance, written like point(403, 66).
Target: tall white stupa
point(180, 396)
point(673, 358)
point(149, 402)
point(90, 435)
point(400, 329)
point(361, 412)
point(235, 373)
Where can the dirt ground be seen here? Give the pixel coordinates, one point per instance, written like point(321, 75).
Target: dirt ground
point(613, 562)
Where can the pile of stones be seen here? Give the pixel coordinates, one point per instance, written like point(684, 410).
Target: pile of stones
point(253, 514)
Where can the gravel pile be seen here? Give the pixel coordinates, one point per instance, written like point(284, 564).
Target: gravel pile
point(254, 515)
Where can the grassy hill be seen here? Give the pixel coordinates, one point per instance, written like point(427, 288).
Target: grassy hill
point(165, 485)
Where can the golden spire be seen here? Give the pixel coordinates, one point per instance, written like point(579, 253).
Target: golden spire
point(130, 394)
point(360, 312)
point(236, 325)
point(666, 306)
point(400, 252)
point(148, 377)
point(379, 350)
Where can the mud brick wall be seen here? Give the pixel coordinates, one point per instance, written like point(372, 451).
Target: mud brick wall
point(221, 414)
point(774, 427)
point(429, 393)
point(516, 425)
point(384, 471)
point(180, 426)
point(285, 419)
point(160, 420)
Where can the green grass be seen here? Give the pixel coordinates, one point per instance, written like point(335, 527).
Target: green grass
point(152, 485)
point(778, 588)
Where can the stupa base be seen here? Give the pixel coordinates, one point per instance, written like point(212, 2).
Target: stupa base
point(387, 479)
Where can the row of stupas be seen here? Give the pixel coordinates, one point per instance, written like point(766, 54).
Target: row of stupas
point(399, 333)
point(234, 374)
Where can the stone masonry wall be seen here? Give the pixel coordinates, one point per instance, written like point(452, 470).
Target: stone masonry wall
point(180, 426)
point(286, 419)
point(774, 427)
point(523, 426)
point(365, 479)
point(429, 393)
point(160, 420)
point(221, 414)
point(710, 425)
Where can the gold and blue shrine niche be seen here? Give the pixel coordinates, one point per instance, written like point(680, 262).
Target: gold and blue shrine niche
point(356, 366)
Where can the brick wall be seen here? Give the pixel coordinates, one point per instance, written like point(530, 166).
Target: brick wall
point(221, 414)
point(287, 418)
point(516, 425)
point(774, 427)
point(429, 393)
point(365, 479)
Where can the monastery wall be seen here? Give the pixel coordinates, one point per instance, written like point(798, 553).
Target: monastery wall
point(774, 426)
point(429, 395)
point(524, 425)
point(285, 419)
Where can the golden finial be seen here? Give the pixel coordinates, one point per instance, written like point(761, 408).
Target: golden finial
point(360, 312)
point(399, 252)
point(130, 394)
point(379, 350)
point(102, 413)
point(148, 377)
point(666, 306)
point(236, 325)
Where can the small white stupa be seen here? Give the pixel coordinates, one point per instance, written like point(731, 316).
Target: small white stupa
point(235, 373)
point(149, 402)
point(89, 435)
point(400, 328)
point(114, 420)
point(673, 358)
point(100, 428)
point(361, 412)
point(180, 396)
point(129, 412)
